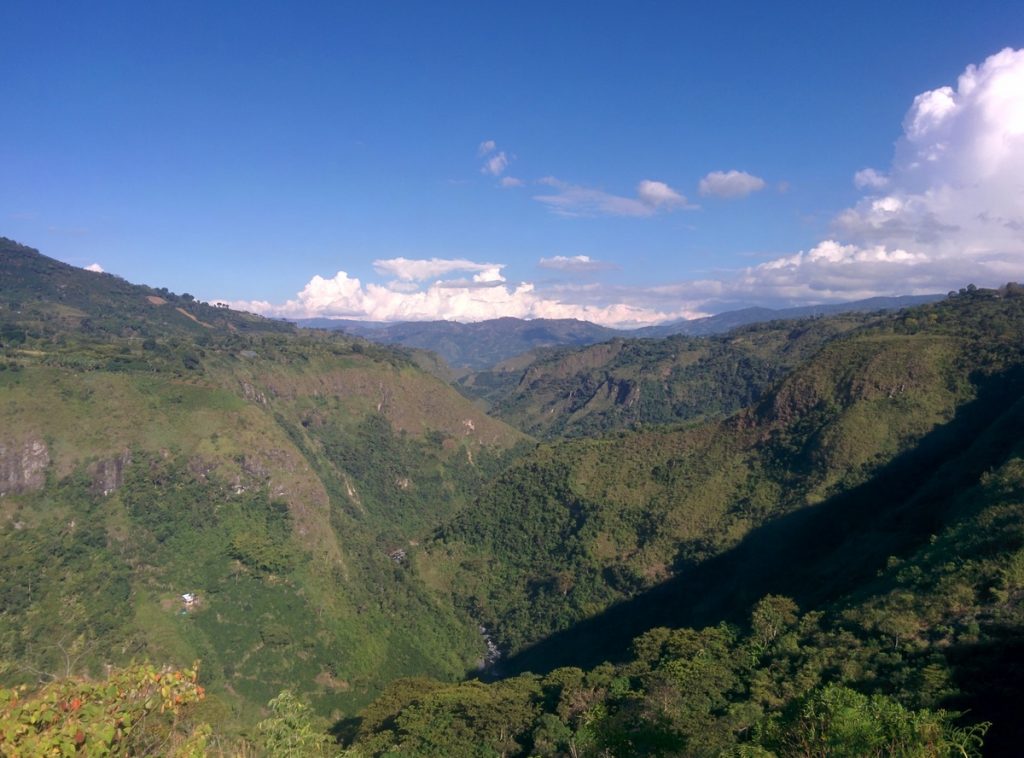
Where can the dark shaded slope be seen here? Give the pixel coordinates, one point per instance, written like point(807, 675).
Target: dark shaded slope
point(818, 554)
point(939, 627)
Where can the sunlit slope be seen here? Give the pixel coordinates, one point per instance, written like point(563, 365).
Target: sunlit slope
point(44, 296)
point(628, 384)
point(274, 476)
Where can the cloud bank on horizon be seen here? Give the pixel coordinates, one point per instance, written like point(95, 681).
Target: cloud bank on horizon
point(947, 211)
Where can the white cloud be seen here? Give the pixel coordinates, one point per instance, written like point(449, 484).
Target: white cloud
point(495, 165)
point(97, 268)
point(400, 286)
point(955, 191)
point(490, 274)
point(343, 296)
point(930, 109)
point(868, 178)
point(659, 195)
point(578, 201)
point(574, 264)
point(834, 271)
point(418, 269)
point(511, 181)
point(730, 184)
point(487, 146)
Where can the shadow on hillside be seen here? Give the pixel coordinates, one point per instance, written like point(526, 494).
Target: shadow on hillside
point(990, 676)
point(815, 555)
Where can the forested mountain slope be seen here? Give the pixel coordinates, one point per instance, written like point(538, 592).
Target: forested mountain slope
point(923, 658)
point(309, 514)
point(729, 320)
point(879, 485)
point(150, 450)
point(44, 296)
point(476, 345)
point(626, 384)
point(603, 519)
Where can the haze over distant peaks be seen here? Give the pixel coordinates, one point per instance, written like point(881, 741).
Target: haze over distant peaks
point(483, 344)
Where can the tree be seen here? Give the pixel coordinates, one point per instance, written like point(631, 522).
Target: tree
point(770, 617)
point(291, 730)
point(837, 721)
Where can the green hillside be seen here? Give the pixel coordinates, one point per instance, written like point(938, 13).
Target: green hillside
point(879, 485)
point(922, 659)
point(603, 519)
point(626, 384)
point(476, 345)
point(276, 474)
point(44, 297)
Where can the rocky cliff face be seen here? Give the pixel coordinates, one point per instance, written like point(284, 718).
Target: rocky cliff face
point(23, 466)
point(108, 475)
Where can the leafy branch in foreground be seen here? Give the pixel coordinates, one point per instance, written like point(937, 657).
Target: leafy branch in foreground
point(140, 710)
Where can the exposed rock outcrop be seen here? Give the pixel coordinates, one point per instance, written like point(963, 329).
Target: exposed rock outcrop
point(108, 475)
point(23, 466)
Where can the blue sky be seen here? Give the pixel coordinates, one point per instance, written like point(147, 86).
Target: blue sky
point(468, 160)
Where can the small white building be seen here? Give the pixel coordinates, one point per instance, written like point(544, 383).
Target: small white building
point(189, 600)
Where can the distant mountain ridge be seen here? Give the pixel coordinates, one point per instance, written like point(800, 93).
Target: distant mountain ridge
point(479, 344)
point(483, 344)
point(723, 322)
point(624, 383)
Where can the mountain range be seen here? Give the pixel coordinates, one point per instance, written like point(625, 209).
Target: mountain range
point(801, 537)
point(483, 344)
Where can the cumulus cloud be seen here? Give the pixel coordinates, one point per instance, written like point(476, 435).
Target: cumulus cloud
point(578, 201)
point(487, 146)
point(659, 195)
point(511, 181)
point(420, 269)
point(949, 210)
point(97, 268)
point(868, 178)
point(574, 264)
point(489, 275)
point(730, 184)
point(343, 296)
point(955, 191)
